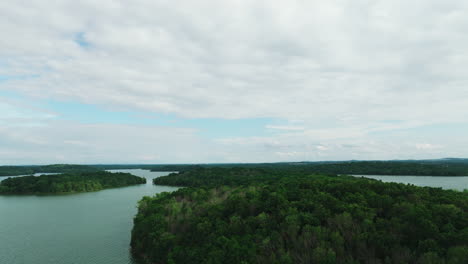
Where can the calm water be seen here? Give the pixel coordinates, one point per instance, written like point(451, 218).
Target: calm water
point(455, 183)
point(86, 228)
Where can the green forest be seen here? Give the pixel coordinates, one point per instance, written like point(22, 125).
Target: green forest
point(441, 167)
point(419, 168)
point(205, 177)
point(389, 168)
point(55, 168)
point(68, 182)
point(248, 215)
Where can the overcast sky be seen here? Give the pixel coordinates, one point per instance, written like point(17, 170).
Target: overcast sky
point(153, 81)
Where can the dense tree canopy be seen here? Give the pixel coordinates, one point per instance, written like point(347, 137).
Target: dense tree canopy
point(225, 176)
point(56, 168)
point(421, 168)
point(69, 182)
point(262, 216)
point(390, 168)
point(442, 167)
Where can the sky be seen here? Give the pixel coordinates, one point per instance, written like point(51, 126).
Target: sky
point(208, 81)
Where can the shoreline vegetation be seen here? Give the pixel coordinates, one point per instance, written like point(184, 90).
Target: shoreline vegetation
point(440, 167)
point(68, 183)
point(259, 215)
point(384, 168)
point(6, 171)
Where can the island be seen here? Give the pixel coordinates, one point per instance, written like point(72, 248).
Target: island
point(259, 215)
point(68, 182)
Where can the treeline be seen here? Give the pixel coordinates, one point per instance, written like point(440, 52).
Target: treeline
point(442, 167)
point(69, 182)
point(273, 217)
point(205, 177)
point(425, 168)
point(390, 168)
point(246, 175)
point(55, 168)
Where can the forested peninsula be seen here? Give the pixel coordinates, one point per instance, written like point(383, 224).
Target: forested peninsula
point(248, 215)
point(68, 182)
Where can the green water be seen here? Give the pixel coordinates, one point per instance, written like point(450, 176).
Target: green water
point(86, 228)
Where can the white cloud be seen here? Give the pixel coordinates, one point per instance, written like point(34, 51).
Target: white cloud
point(293, 128)
point(19, 113)
point(334, 69)
point(320, 147)
point(427, 146)
point(71, 142)
point(357, 61)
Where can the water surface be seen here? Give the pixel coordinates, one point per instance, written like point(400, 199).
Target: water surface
point(85, 228)
point(455, 183)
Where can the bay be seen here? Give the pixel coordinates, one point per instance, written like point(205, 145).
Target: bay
point(84, 228)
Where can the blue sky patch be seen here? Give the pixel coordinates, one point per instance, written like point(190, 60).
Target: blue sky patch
point(4, 78)
point(207, 127)
point(80, 39)
point(93, 114)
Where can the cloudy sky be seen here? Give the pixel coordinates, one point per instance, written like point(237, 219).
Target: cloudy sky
point(164, 81)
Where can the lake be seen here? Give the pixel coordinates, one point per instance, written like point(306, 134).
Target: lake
point(94, 228)
point(85, 228)
point(455, 183)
